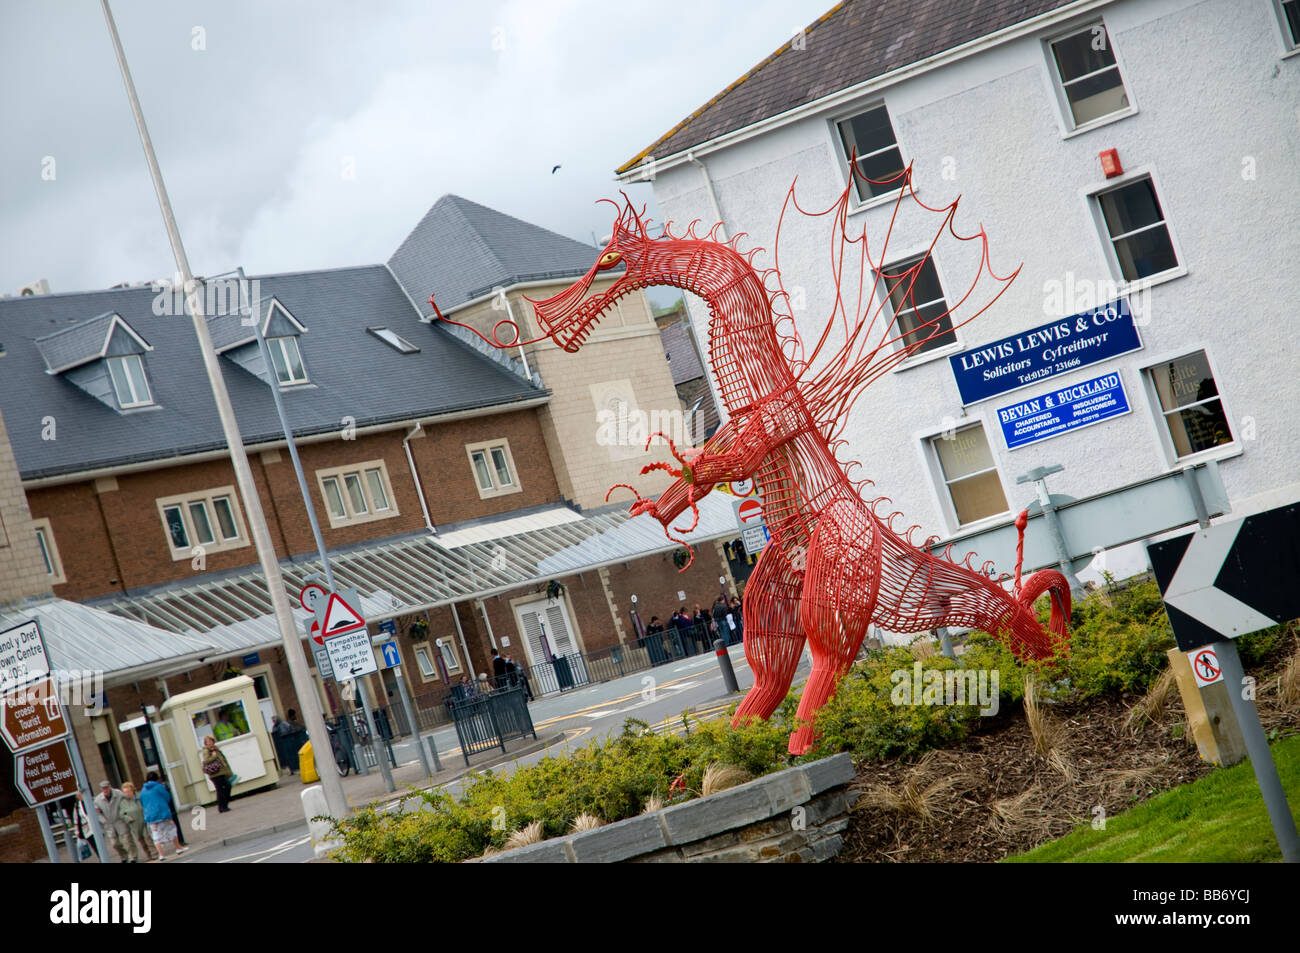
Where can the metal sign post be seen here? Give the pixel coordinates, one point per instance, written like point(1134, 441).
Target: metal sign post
point(1224, 581)
point(1261, 759)
point(393, 660)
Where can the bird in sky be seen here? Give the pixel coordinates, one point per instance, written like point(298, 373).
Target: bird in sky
point(554, 169)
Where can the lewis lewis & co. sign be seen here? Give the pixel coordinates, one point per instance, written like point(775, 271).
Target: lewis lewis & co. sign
point(1058, 347)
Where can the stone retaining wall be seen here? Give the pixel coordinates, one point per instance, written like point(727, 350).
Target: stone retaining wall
point(793, 816)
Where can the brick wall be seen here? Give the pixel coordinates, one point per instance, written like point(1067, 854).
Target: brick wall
point(111, 536)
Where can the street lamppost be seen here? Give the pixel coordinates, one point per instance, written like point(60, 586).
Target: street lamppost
point(331, 784)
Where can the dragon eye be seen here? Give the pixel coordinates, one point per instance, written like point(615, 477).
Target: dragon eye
point(608, 259)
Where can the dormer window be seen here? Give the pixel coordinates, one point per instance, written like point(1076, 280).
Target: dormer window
point(129, 382)
point(287, 360)
point(238, 342)
point(103, 356)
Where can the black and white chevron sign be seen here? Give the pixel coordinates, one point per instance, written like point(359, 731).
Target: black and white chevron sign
point(1231, 578)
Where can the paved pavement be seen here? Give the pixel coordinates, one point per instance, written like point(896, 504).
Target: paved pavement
point(270, 826)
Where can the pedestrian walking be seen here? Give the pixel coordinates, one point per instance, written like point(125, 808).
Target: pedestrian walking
point(217, 770)
point(74, 814)
point(498, 669)
point(108, 804)
point(157, 803)
point(132, 812)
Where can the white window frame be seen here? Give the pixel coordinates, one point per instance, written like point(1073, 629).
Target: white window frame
point(136, 399)
point(448, 648)
point(1065, 115)
point(1157, 413)
point(1093, 204)
point(362, 473)
point(49, 550)
point(837, 145)
point(486, 447)
point(1290, 44)
point(882, 291)
point(279, 341)
point(205, 499)
point(938, 482)
point(425, 649)
point(393, 339)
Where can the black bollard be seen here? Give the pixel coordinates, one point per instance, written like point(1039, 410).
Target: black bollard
point(724, 663)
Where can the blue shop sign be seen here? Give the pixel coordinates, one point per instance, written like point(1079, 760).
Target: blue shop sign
point(1062, 410)
point(1055, 348)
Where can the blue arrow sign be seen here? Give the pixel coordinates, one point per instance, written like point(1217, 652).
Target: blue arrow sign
point(392, 658)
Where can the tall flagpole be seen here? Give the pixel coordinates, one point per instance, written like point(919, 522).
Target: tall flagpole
point(293, 653)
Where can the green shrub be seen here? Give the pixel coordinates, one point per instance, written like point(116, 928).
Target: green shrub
point(865, 715)
point(612, 780)
point(1266, 645)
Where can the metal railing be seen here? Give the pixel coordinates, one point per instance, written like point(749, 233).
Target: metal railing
point(565, 673)
point(489, 720)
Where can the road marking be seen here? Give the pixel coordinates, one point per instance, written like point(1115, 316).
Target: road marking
point(279, 848)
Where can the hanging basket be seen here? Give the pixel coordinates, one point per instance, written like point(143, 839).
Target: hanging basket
point(680, 558)
point(554, 589)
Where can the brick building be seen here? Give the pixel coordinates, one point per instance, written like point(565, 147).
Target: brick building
point(459, 489)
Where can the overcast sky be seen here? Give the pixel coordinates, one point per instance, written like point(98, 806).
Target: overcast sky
point(258, 109)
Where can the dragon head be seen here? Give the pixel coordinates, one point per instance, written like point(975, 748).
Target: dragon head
point(569, 317)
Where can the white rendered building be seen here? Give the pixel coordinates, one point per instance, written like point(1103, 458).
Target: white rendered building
point(1192, 220)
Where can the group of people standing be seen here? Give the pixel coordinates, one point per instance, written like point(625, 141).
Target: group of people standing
point(125, 816)
point(694, 632)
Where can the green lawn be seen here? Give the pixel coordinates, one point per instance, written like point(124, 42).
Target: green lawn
point(1220, 819)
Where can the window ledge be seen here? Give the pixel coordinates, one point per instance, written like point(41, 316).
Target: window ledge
point(978, 526)
point(1218, 454)
point(344, 522)
point(1290, 53)
point(926, 357)
point(492, 494)
point(1098, 123)
point(181, 555)
point(887, 199)
point(1142, 284)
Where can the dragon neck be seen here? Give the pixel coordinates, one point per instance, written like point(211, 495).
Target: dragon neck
point(744, 350)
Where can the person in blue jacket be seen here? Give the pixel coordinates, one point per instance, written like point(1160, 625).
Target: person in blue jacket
point(157, 803)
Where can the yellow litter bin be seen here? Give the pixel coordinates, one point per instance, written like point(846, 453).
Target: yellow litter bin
point(307, 764)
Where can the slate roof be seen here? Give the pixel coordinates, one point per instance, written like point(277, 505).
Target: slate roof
point(461, 250)
point(354, 373)
point(80, 343)
point(683, 360)
point(851, 43)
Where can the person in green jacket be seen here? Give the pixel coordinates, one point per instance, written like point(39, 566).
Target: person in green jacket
point(131, 811)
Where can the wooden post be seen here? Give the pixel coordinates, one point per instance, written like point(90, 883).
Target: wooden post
point(1209, 715)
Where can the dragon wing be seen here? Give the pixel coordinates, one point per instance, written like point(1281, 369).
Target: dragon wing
point(880, 313)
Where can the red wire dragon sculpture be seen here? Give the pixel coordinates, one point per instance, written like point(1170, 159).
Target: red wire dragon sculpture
point(837, 561)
